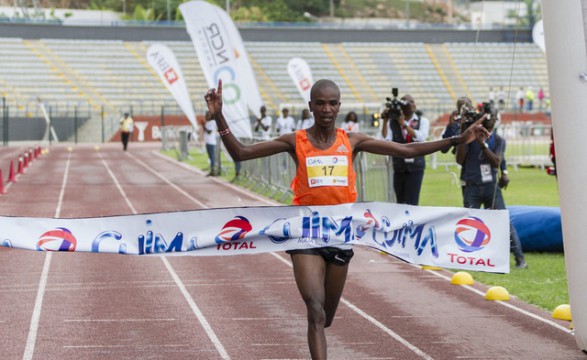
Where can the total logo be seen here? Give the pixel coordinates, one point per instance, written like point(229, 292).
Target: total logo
point(59, 239)
point(471, 235)
point(231, 234)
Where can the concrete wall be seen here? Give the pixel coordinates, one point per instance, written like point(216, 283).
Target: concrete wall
point(274, 33)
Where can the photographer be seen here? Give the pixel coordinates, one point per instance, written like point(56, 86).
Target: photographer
point(453, 127)
point(401, 124)
point(480, 161)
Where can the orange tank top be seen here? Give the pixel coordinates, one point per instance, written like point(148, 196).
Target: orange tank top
point(324, 177)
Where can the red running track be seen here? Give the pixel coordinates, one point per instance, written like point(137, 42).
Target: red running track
point(101, 306)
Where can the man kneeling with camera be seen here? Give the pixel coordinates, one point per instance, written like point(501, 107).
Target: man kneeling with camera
point(480, 161)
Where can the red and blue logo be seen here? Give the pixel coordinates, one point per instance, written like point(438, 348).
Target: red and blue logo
point(234, 230)
point(472, 234)
point(59, 239)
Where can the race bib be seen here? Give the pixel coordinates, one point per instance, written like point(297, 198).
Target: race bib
point(327, 171)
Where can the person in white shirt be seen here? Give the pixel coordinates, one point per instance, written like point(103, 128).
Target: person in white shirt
point(351, 122)
point(285, 123)
point(263, 125)
point(306, 121)
point(210, 131)
point(501, 99)
point(406, 127)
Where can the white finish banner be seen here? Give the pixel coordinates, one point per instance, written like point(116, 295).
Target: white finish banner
point(458, 238)
point(301, 74)
point(221, 55)
point(163, 61)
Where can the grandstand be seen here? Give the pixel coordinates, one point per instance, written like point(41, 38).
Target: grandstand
point(107, 77)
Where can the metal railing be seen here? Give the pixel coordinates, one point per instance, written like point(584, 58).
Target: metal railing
point(527, 145)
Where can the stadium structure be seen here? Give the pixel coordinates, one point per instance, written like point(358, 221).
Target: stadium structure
point(95, 73)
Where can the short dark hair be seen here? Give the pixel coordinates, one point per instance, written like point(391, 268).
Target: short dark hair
point(321, 84)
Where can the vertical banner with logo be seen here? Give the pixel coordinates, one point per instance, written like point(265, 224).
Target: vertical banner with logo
point(220, 52)
point(163, 61)
point(248, 81)
point(300, 73)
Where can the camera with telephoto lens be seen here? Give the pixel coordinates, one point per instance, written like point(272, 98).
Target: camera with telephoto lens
point(469, 116)
point(394, 105)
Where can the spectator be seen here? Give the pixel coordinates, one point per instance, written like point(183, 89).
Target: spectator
point(520, 99)
point(126, 127)
point(501, 99)
point(263, 125)
point(530, 98)
point(404, 128)
point(210, 132)
point(480, 161)
point(306, 121)
point(540, 98)
point(351, 123)
point(285, 123)
point(491, 96)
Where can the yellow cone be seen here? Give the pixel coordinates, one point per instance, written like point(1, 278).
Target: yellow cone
point(70, 149)
point(428, 267)
point(462, 278)
point(497, 293)
point(97, 148)
point(562, 312)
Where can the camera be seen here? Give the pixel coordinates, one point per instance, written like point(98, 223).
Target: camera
point(468, 116)
point(394, 105)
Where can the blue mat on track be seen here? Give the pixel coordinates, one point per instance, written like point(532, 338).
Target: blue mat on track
point(539, 227)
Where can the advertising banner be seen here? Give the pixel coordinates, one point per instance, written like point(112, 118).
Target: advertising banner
point(222, 55)
point(163, 61)
point(301, 74)
point(457, 238)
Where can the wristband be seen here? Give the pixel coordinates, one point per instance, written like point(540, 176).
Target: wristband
point(224, 132)
point(486, 145)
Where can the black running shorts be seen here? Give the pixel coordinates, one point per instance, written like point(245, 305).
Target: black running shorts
point(331, 255)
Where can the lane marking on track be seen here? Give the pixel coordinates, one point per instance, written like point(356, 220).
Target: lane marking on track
point(372, 320)
point(168, 182)
point(126, 199)
point(510, 306)
point(270, 202)
point(192, 303)
point(218, 181)
point(118, 320)
point(34, 325)
point(360, 312)
point(211, 334)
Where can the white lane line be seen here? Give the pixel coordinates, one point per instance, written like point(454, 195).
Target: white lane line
point(205, 324)
point(270, 202)
point(126, 199)
point(34, 325)
point(118, 320)
point(192, 303)
point(373, 321)
point(350, 305)
point(219, 181)
point(508, 305)
point(180, 190)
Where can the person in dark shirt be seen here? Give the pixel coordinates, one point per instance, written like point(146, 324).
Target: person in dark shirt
point(480, 161)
